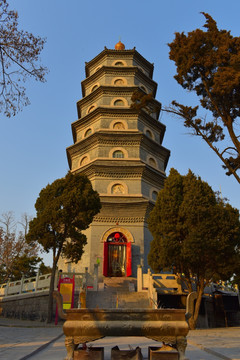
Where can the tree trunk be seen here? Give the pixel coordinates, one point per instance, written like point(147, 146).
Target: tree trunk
point(193, 319)
point(50, 298)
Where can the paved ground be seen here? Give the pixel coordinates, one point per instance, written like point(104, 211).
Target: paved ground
point(21, 340)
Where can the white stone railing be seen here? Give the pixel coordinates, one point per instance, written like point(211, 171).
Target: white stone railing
point(157, 283)
point(38, 283)
point(25, 285)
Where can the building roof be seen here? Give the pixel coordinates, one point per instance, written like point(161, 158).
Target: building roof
point(113, 52)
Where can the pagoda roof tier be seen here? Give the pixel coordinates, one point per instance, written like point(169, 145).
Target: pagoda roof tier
point(116, 54)
point(125, 138)
point(119, 71)
point(114, 91)
point(124, 210)
point(98, 170)
point(135, 169)
point(117, 113)
point(113, 164)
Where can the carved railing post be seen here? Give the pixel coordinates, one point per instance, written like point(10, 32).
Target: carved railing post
point(21, 286)
point(95, 278)
point(7, 287)
point(85, 279)
point(139, 278)
point(37, 279)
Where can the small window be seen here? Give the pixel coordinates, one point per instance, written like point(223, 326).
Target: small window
point(118, 154)
point(118, 189)
point(143, 88)
point(118, 126)
point(152, 162)
point(91, 109)
point(119, 82)
point(94, 88)
point(154, 195)
point(88, 132)
point(84, 161)
point(119, 63)
point(149, 134)
point(118, 102)
point(140, 68)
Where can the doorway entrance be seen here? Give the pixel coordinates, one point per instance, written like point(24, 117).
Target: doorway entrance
point(117, 256)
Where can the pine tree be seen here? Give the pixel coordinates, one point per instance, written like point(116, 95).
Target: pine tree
point(208, 64)
point(64, 208)
point(195, 234)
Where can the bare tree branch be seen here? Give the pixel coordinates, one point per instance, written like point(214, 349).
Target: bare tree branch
point(19, 58)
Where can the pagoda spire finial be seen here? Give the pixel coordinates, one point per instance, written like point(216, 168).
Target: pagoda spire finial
point(119, 45)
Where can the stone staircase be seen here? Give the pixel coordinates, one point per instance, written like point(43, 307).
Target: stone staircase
point(118, 293)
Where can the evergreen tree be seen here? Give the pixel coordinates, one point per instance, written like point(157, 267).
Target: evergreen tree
point(194, 233)
point(208, 64)
point(24, 266)
point(64, 208)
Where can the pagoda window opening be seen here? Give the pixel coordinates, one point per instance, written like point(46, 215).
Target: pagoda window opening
point(84, 161)
point(141, 69)
point(118, 154)
point(119, 63)
point(119, 82)
point(88, 132)
point(118, 126)
point(99, 67)
point(152, 162)
point(118, 102)
point(149, 134)
point(143, 88)
point(118, 189)
point(94, 87)
point(91, 109)
point(154, 195)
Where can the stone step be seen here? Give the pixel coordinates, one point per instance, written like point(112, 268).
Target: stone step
point(101, 300)
point(121, 284)
point(118, 292)
point(133, 301)
point(114, 299)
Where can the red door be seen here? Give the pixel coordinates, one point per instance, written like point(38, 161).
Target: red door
point(129, 260)
point(117, 259)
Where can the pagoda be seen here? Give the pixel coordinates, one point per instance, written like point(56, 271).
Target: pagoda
point(119, 148)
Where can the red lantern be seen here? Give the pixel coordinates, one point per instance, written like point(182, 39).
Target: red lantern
point(117, 236)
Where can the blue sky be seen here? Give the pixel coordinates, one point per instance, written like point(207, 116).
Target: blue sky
point(33, 143)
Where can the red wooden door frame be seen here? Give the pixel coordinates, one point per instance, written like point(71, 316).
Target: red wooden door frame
point(128, 258)
point(105, 259)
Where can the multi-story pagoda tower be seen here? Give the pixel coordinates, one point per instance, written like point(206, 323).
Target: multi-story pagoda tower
point(120, 150)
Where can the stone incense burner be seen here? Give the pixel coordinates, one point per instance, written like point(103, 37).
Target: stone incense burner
point(164, 325)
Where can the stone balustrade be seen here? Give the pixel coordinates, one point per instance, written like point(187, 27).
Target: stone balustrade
point(39, 283)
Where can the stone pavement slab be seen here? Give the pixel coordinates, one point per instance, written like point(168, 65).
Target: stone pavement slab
point(56, 351)
point(8, 322)
point(221, 342)
point(21, 340)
